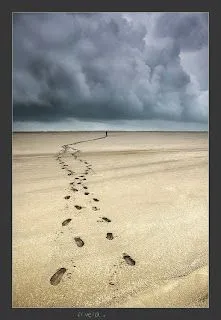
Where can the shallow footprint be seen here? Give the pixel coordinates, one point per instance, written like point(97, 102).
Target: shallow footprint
point(95, 208)
point(114, 277)
point(65, 222)
point(85, 187)
point(128, 259)
point(56, 278)
point(79, 242)
point(67, 197)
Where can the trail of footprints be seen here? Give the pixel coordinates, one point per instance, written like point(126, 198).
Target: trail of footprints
point(78, 185)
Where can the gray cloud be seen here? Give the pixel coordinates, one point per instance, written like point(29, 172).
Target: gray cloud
point(189, 29)
point(109, 66)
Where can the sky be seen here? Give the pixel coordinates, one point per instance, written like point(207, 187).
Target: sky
point(110, 71)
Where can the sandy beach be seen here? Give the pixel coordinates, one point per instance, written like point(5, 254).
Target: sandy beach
point(111, 222)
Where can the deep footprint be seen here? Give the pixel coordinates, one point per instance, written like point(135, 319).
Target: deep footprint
point(95, 199)
point(67, 197)
point(86, 193)
point(78, 207)
point(79, 242)
point(65, 222)
point(110, 236)
point(106, 219)
point(56, 278)
point(85, 187)
point(128, 259)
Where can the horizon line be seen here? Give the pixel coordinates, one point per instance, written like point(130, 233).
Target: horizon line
point(50, 131)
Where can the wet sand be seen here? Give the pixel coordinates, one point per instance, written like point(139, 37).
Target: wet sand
point(114, 222)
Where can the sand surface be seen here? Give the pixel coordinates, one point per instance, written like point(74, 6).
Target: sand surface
point(154, 189)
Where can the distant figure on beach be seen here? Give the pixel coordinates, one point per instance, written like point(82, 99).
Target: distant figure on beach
point(106, 133)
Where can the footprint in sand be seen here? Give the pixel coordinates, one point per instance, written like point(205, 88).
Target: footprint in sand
point(86, 193)
point(79, 183)
point(95, 199)
point(128, 259)
point(79, 242)
point(56, 278)
point(95, 208)
point(110, 236)
point(73, 189)
point(114, 276)
point(65, 222)
point(67, 197)
point(78, 207)
point(104, 219)
point(85, 187)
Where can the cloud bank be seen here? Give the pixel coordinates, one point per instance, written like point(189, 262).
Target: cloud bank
point(110, 66)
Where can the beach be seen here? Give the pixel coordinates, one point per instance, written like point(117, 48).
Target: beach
point(110, 222)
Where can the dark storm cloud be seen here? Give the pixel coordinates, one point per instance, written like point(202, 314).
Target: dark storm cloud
point(189, 29)
point(107, 66)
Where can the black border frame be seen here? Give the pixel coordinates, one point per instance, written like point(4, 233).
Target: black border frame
point(6, 158)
